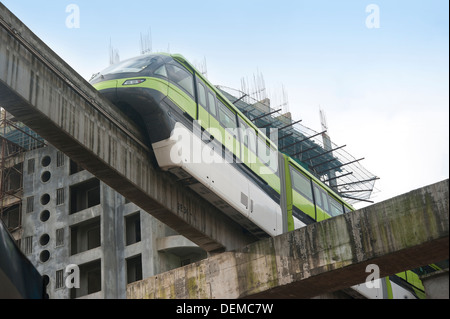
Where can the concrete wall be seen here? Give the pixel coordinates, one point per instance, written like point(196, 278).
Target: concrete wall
point(399, 234)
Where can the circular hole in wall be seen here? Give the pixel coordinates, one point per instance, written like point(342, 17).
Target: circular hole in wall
point(44, 240)
point(45, 177)
point(46, 161)
point(44, 256)
point(45, 199)
point(45, 215)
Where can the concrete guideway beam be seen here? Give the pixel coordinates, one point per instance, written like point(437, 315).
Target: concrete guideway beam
point(403, 233)
point(46, 94)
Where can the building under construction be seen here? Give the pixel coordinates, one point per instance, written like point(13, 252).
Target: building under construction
point(59, 214)
point(16, 139)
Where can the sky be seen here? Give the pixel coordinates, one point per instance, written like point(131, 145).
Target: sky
point(379, 69)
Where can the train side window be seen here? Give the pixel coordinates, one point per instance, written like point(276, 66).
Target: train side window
point(161, 71)
point(262, 148)
point(226, 117)
point(267, 156)
point(301, 184)
point(325, 201)
point(264, 152)
point(212, 104)
point(181, 78)
point(248, 137)
point(202, 95)
point(317, 197)
point(336, 208)
point(321, 198)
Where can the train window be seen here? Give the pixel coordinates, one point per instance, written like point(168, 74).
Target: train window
point(161, 71)
point(301, 184)
point(325, 202)
point(130, 65)
point(212, 104)
point(248, 138)
point(263, 151)
point(317, 197)
point(267, 156)
point(226, 117)
point(181, 78)
point(321, 198)
point(202, 95)
point(336, 208)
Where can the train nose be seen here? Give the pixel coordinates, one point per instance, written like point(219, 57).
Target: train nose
point(108, 89)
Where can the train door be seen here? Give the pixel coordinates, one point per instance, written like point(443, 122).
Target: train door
point(212, 133)
point(214, 129)
point(229, 131)
point(302, 195)
point(181, 89)
point(322, 204)
point(212, 111)
point(248, 144)
point(203, 110)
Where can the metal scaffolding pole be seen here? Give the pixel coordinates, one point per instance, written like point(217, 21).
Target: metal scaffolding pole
point(359, 182)
point(339, 166)
point(241, 98)
point(334, 178)
point(304, 140)
point(325, 153)
point(304, 151)
point(292, 124)
point(358, 199)
point(265, 115)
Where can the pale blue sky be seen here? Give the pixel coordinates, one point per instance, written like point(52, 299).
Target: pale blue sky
point(384, 90)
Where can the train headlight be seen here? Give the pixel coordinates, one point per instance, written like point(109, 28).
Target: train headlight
point(133, 82)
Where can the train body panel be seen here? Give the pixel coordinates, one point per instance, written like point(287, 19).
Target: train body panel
point(241, 200)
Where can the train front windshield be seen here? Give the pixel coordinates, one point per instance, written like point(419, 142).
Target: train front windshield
point(134, 65)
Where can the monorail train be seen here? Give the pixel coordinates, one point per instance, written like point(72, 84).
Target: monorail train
point(189, 123)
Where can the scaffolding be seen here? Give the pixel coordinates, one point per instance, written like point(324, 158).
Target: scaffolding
point(15, 138)
point(313, 150)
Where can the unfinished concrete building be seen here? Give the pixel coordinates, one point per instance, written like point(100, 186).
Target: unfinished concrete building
point(61, 215)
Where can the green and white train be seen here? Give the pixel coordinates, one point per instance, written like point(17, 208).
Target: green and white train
point(201, 137)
